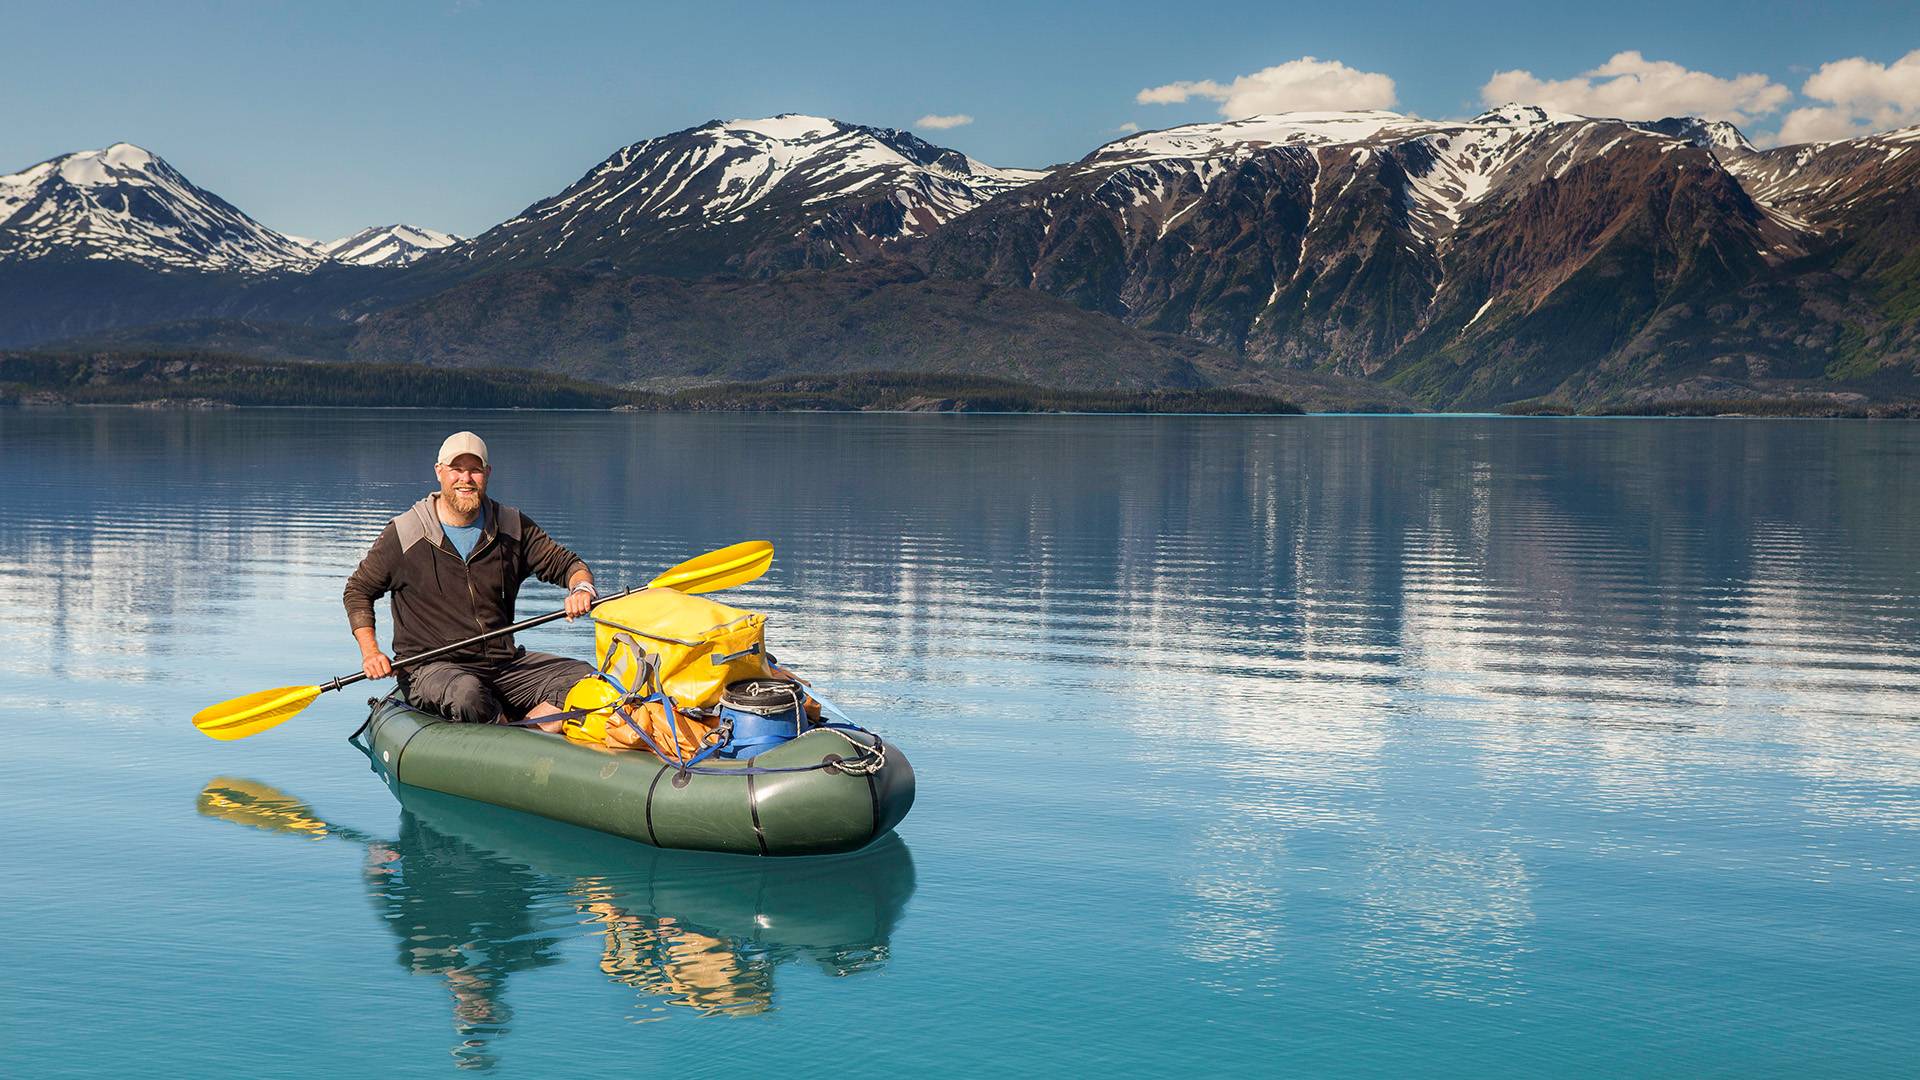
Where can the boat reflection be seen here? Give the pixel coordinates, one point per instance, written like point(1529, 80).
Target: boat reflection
point(474, 893)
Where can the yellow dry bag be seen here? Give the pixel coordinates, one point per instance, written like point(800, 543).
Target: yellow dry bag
point(700, 646)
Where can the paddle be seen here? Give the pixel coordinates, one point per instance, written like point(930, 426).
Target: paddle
point(253, 713)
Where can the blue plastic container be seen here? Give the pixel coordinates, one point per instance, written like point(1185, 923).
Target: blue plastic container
point(763, 713)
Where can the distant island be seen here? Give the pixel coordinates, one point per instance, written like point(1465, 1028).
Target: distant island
point(1522, 260)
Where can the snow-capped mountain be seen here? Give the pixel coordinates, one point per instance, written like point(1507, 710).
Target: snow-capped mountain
point(1372, 243)
point(125, 205)
point(1521, 252)
point(386, 245)
point(754, 196)
point(1448, 165)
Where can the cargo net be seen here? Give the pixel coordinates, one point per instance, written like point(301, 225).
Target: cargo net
point(688, 749)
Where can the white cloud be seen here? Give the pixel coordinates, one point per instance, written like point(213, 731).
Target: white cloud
point(1860, 96)
point(1631, 87)
point(935, 120)
point(1128, 128)
point(1303, 85)
point(1819, 124)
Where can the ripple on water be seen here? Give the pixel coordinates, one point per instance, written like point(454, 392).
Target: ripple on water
point(1346, 744)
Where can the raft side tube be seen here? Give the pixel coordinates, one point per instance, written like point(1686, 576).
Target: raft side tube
point(635, 795)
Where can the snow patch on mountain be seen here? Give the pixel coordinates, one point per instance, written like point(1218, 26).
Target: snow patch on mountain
point(1716, 135)
point(1515, 114)
point(787, 127)
point(1240, 138)
point(386, 245)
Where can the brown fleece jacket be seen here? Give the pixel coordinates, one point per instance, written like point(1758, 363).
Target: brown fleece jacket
point(440, 598)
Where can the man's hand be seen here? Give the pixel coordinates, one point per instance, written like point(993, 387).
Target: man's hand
point(579, 602)
point(580, 593)
point(372, 660)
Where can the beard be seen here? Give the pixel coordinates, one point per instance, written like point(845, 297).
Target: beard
point(464, 501)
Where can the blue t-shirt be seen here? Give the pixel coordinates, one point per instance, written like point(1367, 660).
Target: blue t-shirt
point(464, 536)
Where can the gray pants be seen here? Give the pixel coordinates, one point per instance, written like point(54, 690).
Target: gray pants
point(493, 693)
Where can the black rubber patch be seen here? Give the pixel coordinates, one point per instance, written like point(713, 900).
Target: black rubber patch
point(652, 839)
point(832, 762)
point(753, 807)
point(682, 778)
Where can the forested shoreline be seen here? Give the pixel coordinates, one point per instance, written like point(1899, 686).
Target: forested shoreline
point(210, 380)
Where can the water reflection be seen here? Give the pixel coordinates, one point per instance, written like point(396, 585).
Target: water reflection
point(1614, 571)
point(474, 894)
point(1369, 697)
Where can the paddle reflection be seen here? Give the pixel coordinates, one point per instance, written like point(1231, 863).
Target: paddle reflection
point(474, 894)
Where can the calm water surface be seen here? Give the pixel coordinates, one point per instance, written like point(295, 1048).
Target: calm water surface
point(1265, 746)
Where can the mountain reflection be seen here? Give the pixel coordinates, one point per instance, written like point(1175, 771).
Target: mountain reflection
point(1608, 567)
point(1357, 668)
point(474, 894)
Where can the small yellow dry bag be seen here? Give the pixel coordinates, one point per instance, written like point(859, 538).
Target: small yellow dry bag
point(617, 726)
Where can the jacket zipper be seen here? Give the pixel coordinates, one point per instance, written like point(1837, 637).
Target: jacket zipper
point(473, 598)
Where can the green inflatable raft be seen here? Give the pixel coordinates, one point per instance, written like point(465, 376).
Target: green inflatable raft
point(832, 789)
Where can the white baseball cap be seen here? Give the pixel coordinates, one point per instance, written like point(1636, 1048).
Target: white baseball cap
point(462, 442)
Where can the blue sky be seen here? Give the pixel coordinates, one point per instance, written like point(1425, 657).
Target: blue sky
point(320, 118)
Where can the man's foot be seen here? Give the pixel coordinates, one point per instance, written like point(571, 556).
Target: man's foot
point(551, 727)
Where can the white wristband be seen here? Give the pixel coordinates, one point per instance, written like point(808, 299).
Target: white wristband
point(586, 587)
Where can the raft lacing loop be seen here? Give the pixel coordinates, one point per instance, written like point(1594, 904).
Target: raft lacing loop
point(869, 759)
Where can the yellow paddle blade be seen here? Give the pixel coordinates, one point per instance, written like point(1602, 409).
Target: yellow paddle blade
point(716, 570)
point(263, 806)
point(251, 714)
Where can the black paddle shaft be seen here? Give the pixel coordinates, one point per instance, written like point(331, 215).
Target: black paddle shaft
point(435, 654)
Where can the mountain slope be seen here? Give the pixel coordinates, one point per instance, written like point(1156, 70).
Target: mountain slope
point(754, 197)
point(1563, 278)
point(643, 331)
point(665, 333)
point(1821, 183)
point(124, 205)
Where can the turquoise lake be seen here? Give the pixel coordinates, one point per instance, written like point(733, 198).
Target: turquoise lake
point(1246, 746)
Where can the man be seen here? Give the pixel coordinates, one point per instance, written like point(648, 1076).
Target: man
point(453, 564)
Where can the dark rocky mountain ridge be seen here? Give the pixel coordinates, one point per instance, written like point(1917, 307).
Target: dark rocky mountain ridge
point(1519, 256)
